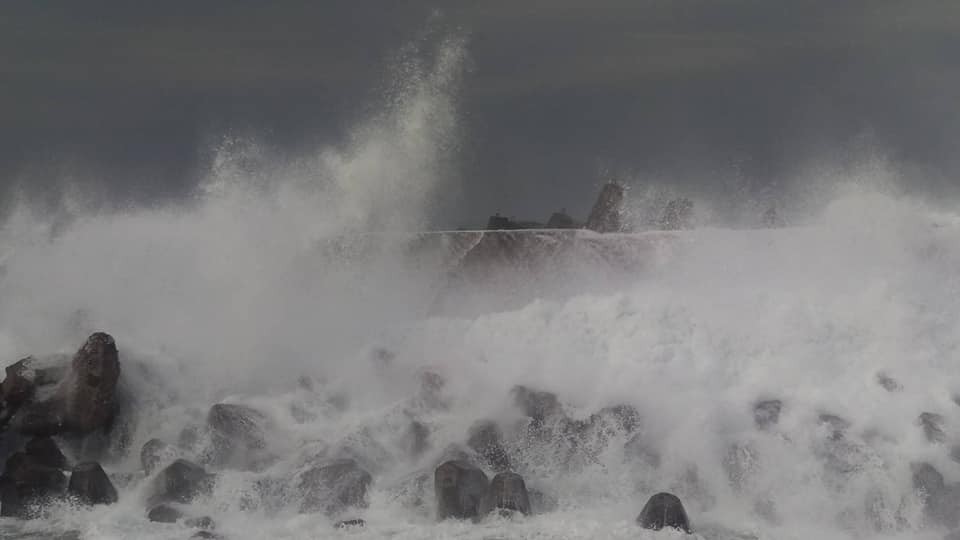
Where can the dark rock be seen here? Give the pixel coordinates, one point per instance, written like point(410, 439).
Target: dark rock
point(181, 482)
point(605, 216)
point(164, 513)
point(350, 523)
point(459, 488)
point(202, 522)
point(41, 419)
point(237, 435)
point(540, 502)
point(888, 383)
point(507, 492)
point(45, 451)
point(766, 413)
point(537, 405)
point(90, 485)
point(84, 401)
point(156, 453)
point(664, 510)
point(932, 424)
point(27, 485)
point(334, 486)
point(20, 382)
point(486, 439)
point(89, 389)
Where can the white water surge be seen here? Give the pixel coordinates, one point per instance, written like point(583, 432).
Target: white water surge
point(231, 299)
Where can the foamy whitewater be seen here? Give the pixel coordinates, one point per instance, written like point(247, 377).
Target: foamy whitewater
point(239, 297)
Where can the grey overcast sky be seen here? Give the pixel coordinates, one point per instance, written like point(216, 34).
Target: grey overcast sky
point(129, 95)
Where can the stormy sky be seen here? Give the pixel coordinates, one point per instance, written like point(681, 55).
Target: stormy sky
point(126, 98)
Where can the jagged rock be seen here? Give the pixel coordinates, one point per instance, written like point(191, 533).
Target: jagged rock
point(537, 405)
point(90, 485)
point(888, 383)
point(164, 513)
point(459, 488)
point(664, 510)
point(20, 382)
point(84, 401)
point(334, 486)
point(932, 424)
point(606, 212)
point(766, 413)
point(237, 435)
point(507, 492)
point(45, 451)
point(540, 502)
point(350, 523)
point(27, 485)
point(89, 389)
point(181, 482)
point(156, 453)
point(485, 438)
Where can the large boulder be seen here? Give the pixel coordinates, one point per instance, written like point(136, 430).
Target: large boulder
point(164, 513)
point(89, 389)
point(45, 451)
point(181, 482)
point(24, 377)
point(156, 453)
point(27, 485)
point(237, 436)
point(334, 486)
point(84, 401)
point(664, 510)
point(90, 485)
point(460, 487)
point(486, 439)
point(507, 493)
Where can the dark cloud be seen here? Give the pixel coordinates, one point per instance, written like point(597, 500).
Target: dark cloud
point(126, 95)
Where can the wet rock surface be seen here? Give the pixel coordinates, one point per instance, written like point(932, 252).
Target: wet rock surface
point(27, 485)
point(181, 481)
point(334, 487)
point(237, 436)
point(156, 453)
point(507, 492)
point(664, 510)
point(90, 485)
point(460, 488)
